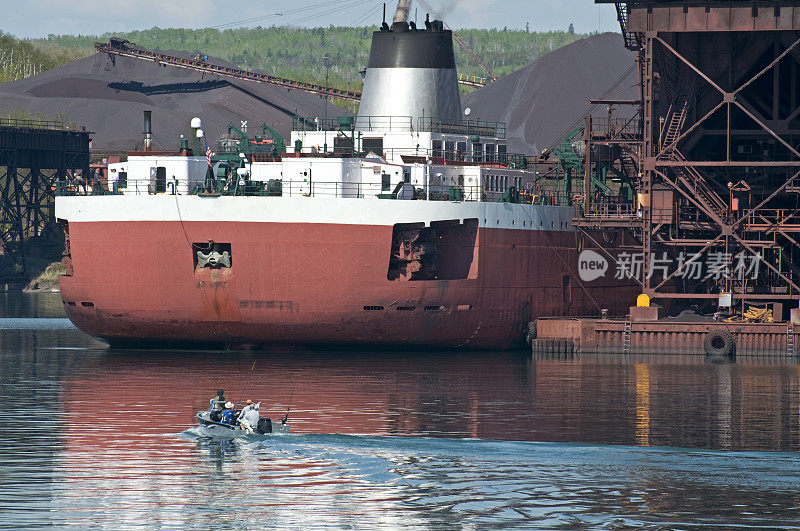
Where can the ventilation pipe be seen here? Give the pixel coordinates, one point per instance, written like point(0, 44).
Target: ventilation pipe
point(148, 131)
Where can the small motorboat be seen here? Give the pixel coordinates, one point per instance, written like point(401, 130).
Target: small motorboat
point(211, 424)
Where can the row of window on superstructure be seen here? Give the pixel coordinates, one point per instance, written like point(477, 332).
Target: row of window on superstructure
point(500, 183)
point(480, 152)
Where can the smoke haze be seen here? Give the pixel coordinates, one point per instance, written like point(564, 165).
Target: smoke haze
point(436, 12)
point(403, 7)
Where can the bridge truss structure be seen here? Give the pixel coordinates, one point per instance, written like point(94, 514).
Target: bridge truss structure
point(36, 157)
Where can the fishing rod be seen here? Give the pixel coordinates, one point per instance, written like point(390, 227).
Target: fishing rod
point(247, 382)
point(291, 396)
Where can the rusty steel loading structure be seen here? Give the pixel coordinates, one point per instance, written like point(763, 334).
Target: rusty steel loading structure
point(36, 157)
point(711, 159)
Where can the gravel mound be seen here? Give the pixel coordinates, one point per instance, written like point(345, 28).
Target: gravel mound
point(107, 95)
point(541, 103)
point(544, 101)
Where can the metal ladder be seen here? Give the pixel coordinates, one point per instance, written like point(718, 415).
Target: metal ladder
point(790, 339)
point(631, 39)
point(676, 122)
point(626, 340)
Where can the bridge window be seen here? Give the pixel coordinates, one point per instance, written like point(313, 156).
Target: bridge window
point(449, 149)
point(490, 153)
point(477, 152)
point(461, 147)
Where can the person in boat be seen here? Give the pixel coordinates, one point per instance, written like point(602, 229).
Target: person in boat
point(227, 416)
point(218, 402)
point(247, 407)
point(249, 416)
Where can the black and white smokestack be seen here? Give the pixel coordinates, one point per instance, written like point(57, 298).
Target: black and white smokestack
point(411, 73)
point(148, 131)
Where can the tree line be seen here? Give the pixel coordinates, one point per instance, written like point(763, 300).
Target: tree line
point(21, 58)
point(304, 54)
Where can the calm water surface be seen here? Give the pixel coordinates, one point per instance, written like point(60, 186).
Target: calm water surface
point(91, 437)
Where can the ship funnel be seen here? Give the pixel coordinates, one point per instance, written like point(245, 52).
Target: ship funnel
point(148, 131)
point(411, 73)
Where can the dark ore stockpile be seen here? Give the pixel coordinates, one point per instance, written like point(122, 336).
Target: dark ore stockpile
point(544, 101)
point(108, 95)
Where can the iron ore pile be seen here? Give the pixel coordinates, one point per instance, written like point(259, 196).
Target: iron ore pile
point(541, 103)
point(107, 96)
point(544, 101)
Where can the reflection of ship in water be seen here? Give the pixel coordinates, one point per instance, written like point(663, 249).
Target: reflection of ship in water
point(650, 401)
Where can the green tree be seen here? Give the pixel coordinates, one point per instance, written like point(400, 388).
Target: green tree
point(297, 53)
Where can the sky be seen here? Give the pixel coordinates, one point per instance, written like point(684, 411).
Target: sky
point(38, 18)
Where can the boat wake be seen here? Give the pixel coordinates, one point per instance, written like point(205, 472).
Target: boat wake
point(198, 432)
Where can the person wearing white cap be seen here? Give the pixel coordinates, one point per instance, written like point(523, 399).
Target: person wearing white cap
point(227, 413)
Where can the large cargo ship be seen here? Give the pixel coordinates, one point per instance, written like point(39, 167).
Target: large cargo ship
point(408, 224)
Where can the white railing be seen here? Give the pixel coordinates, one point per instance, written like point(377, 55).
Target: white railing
point(290, 188)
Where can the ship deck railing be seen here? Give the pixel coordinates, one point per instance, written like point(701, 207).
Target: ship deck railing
point(400, 124)
point(32, 123)
point(417, 155)
point(290, 188)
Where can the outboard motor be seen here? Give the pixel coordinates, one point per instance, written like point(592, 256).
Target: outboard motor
point(264, 426)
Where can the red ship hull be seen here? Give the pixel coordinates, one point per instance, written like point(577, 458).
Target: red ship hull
point(303, 283)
